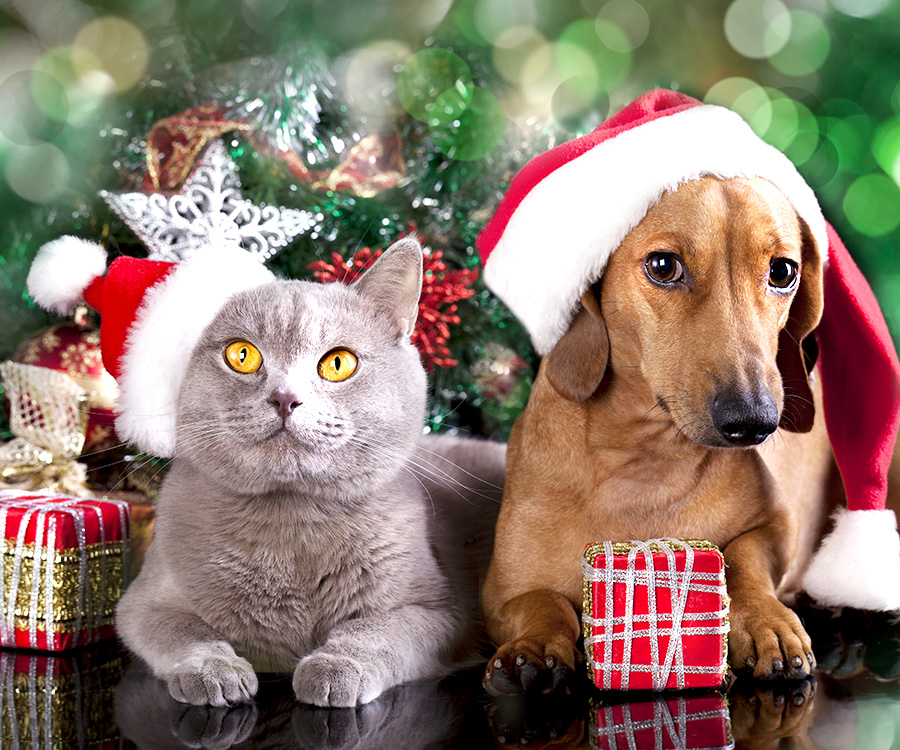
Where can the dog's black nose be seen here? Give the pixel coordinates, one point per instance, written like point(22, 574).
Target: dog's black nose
point(745, 420)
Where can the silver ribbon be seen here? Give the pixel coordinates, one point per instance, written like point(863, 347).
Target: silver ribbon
point(680, 584)
point(48, 509)
point(664, 726)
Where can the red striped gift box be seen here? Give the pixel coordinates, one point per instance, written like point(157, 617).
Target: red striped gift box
point(684, 722)
point(655, 615)
point(64, 564)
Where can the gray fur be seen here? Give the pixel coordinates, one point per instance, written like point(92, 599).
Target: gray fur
point(313, 551)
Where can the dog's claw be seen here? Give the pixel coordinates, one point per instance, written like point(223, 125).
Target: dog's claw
point(523, 669)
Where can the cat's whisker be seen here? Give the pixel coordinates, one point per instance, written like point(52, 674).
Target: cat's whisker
point(423, 449)
point(424, 488)
point(450, 483)
point(431, 471)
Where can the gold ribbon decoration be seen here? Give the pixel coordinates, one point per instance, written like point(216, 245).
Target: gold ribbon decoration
point(48, 416)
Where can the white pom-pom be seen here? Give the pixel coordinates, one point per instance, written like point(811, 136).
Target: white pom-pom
point(62, 270)
point(858, 563)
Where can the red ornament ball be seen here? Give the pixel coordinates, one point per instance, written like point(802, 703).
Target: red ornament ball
point(75, 350)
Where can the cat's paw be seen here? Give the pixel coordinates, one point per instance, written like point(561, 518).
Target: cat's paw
point(213, 678)
point(330, 680)
point(211, 727)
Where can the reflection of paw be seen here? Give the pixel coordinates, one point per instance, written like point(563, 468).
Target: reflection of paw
point(551, 721)
point(212, 676)
point(761, 716)
point(338, 727)
point(527, 666)
point(329, 680)
point(768, 640)
point(212, 727)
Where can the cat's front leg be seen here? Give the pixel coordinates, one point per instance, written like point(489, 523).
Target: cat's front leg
point(364, 657)
point(196, 663)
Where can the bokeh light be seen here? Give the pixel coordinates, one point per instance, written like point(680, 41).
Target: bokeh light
point(111, 55)
point(757, 28)
point(39, 174)
point(579, 105)
point(582, 54)
point(435, 85)
point(807, 46)
point(629, 18)
point(861, 8)
point(522, 55)
point(872, 204)
point(33, 107)
point(475, 132)
point(851, 136)
point(81, 101)
point(369, 76)
point(886, 147)
point(494, 17)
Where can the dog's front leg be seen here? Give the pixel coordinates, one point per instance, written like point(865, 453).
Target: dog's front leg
point(766, 637)
point(538, 630)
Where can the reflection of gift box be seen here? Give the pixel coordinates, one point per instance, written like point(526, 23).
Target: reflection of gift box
point(686, 722)
point(59, 701)
point(64, 564)
point(655, 615)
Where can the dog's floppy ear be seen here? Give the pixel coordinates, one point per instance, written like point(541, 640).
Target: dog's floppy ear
point(797, 349)
point(576, 365)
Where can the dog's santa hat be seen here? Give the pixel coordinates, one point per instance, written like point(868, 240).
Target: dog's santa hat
point(578, 201)
point(153, 314)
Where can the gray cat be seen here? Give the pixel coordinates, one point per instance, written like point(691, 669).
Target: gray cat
point(306, 526)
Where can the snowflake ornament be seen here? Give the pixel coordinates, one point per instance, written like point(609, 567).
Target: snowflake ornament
point(209, 210)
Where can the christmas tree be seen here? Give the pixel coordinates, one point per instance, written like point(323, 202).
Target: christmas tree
point(359, 124)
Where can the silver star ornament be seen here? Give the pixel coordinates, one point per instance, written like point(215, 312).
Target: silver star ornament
point(209, 210)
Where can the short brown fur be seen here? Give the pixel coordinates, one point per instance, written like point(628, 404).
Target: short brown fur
point(628, 449)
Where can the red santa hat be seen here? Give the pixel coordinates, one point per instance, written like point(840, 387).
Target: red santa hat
point(153, 314)
point(576, 203)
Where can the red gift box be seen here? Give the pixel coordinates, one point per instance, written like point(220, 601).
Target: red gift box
point(686, 723)
point(64, 564)
point(655, 615)
point(58, 701)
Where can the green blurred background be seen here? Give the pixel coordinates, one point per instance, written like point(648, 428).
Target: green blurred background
point(473, 88)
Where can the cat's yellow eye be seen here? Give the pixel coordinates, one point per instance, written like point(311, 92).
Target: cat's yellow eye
point(242, 356)
point(337, 365)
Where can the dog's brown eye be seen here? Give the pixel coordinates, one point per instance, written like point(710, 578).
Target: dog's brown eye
point(664, 268)
point(783, 274)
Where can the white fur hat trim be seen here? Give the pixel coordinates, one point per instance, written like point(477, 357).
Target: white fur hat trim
point(858, 563)
point(561, 236)
point(62, 270)
point(172, 317)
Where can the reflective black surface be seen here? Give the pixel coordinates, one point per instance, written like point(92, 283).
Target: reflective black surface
point(102, 698)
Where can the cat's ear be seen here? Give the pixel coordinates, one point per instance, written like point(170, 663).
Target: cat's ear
point(394, 283)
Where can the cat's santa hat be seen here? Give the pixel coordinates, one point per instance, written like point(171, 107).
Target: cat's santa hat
point(153, 314)
point(568, 210)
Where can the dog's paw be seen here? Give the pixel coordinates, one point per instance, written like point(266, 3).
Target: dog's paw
point(555, 720)
point(213, 676)
point(527, 666)
point(332, 680)
point(769, 640)
point(764, 715)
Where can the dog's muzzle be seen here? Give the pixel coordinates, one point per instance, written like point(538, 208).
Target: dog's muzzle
point(744, 420)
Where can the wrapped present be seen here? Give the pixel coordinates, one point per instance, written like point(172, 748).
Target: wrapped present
point(655, 615)
point(685, 722)
point(59, 701)
point(64, 564)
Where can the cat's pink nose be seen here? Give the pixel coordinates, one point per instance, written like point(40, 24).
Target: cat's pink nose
point(285, 402)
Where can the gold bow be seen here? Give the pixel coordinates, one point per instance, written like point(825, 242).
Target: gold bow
point(48, 415)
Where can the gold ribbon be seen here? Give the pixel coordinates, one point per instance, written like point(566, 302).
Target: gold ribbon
point(48, 416)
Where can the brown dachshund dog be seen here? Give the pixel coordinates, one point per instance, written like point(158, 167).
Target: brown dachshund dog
point(657, 414)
